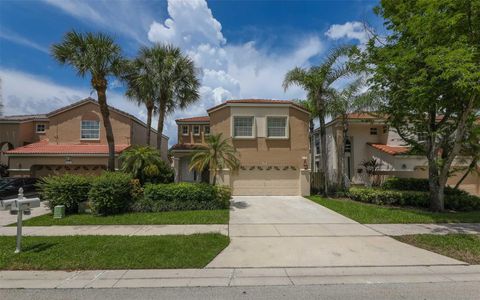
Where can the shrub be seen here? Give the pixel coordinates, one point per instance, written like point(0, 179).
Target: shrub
point(68, 190)
point(111, 193)
point(416, 184)
point(145, 164)
point(183, 196)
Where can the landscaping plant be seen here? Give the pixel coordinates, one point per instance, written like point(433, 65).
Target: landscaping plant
point(111, 193)
point(146, 165)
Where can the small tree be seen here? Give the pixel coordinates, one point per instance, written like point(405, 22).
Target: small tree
point(146, 165)
point(99, 56)
point(218, 155)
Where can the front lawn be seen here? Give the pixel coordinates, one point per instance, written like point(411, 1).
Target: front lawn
point(463, 247)
point(158, 218)
point(375, 214)
point(111, 252)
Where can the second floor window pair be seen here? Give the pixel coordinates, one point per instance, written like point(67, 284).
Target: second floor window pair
point(244, 127)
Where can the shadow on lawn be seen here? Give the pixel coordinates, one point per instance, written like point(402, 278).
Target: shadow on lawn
point(37, 248)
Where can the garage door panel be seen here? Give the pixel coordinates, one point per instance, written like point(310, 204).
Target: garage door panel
point(266, 182)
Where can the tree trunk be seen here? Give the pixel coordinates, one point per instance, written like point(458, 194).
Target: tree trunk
point(100, 85)
point(341, 155)
point(312, 146)
point(323, 142)
point(436, 188)
point(472, 165)
point(161, 118)
point(150, 107)
point(214, 181)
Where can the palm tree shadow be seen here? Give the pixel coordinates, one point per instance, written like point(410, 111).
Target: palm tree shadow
point(39, 247)
point(238, 204)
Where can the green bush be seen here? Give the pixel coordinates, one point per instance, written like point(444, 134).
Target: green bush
point(111, 193)
point(460, 202)
point(183, 196)
point(415, 184)
point(68, 190)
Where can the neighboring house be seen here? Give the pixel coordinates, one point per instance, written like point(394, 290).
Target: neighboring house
point(70, 139)
point(370, 137)
point(269, 136)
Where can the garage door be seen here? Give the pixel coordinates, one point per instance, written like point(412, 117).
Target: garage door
point(266, 183)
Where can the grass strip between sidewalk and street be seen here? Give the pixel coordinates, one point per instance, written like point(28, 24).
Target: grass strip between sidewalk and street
point(367, 213)
point(111, 252)
point(464, 247)
point(153, 218)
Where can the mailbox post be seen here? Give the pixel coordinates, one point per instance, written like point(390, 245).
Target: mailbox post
point(18, 207)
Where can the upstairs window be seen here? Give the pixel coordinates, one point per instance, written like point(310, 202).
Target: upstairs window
point(277, 127)
point(184, 130)
point(40, 128)
point(373, 131)
point(243, 127)
point(206, 130)
point(90, 130)
point(196, 130)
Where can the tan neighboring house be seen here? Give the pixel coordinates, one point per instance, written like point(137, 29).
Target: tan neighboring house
point(71, 139)
point(370, 137)
point(269, 136)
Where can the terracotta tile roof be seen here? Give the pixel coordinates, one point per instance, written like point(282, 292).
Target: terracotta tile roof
point(195, 119)
point(392, 150)
point(23, 117)
point(362, 115)
point(187, 147)
point(44, 147)
point(259, 101)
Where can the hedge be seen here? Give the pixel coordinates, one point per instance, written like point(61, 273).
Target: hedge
point(68, 190)
point(183, 196)
point(111, 193)
point(415, 184)
point(462, 202)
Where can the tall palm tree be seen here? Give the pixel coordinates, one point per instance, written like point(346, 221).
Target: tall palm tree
point(317, 81)
point(99, 56)
point(218, 155)
point(310, 107)
point(352, 98)
point(175, 80)
point(141, 87)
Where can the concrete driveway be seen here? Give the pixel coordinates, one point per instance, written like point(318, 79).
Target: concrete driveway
point(279, 231)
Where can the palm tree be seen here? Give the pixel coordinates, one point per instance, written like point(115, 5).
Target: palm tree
point(99, 56)
point(141, 87)
point(218, 155)
point(352, 98)
point(145, 163)
point(310, 107)
point(317, 82)
point(175, 84)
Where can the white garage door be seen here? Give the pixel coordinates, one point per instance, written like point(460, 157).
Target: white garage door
point(266, 183)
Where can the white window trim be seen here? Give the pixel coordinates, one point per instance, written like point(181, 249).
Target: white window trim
point(193, 130)
point(232, 128)
point(188, 130)
point(209, 129)
point(44, 128)
point(287, 128)
point(90, 139)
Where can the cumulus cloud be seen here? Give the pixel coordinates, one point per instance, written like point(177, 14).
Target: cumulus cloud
point(349, 30)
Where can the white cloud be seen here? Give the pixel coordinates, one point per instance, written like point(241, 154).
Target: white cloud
point(349, 30)
point(18, 39)
point(128, 17)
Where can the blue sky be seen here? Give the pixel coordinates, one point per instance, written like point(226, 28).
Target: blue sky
point(243, 47)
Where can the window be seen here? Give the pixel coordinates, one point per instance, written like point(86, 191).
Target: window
point(40, 128)
point(348, 146)
point(317, 146)
point(196, 130)
point(373, 131)
point(243, 126)
point(185, 130)
point(90, 130)
point(277, 127)
point(206, 129)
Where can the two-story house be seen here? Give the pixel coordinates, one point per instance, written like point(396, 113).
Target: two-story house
point(70, 139)
point(370, 137)
point(271, 140)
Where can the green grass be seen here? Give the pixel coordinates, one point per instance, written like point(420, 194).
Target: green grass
point(111, 252)
point(375, 214)
point(463, 247)
point(160, 218)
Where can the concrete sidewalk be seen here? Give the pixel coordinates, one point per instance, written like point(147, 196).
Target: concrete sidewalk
point(236, 277)
point(404, 229)
point(128, 230)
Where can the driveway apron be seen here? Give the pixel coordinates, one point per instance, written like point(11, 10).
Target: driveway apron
point(286, 231)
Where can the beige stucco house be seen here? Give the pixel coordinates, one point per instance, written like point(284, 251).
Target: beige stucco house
point(71, 139)
point(370, 137)
point(270, 137)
